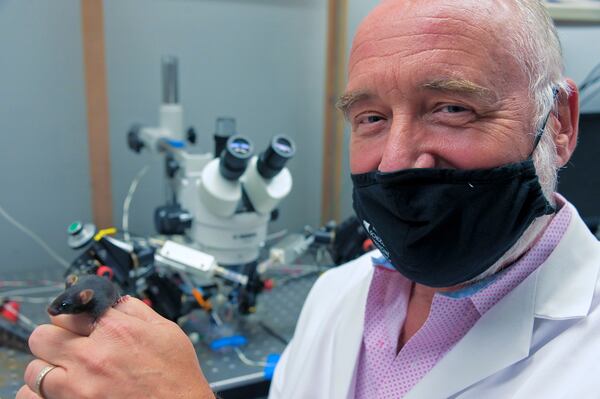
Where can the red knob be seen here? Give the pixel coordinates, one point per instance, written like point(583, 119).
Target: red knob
point(269, 284)
point(10, 311)
point(105, 271)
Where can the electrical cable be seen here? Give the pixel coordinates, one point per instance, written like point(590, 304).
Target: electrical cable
point(26, 283)
point(35, 300)
point(588, 80)
point(248, 362)
point(276, 235)
point(586, 100)
point(587, 86)
point(243, 358)
point(32, 290)
point(272, 332)
point(127, 202)
point(287, 280)
point(35, 238)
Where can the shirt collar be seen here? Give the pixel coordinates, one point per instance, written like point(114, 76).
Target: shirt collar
point(480, 292)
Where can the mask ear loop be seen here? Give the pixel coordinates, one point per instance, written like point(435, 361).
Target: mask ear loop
point(540, 132)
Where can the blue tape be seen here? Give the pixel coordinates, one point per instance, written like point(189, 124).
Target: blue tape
point(272, 360)
point(226, 342)
point(175, 143)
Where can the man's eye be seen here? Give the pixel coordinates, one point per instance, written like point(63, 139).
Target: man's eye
point(370, 119)
point(453, 109)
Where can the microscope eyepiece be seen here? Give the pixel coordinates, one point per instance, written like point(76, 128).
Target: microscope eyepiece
point(235, 157)
point(273, 159)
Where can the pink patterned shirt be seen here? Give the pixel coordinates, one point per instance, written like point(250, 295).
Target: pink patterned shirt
point(382, 373)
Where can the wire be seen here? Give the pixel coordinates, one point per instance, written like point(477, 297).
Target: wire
point(248, 362)
point(25, 299)
point(276, 235)
point(35, 238)
point(273, 333)
point(127, 202)
point(587, 84)
point(287, 280)
point(589, 79)
point(32, 290)
point(586, 100)
point(243, 358)
point(25, 283)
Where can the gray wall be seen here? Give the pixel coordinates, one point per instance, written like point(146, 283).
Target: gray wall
point(260, 61)
point(44, 174)
point(581, 48)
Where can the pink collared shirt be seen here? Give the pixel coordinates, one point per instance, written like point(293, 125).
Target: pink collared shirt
point(383, 373)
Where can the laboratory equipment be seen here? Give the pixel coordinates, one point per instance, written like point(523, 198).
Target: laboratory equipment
point(222, 201)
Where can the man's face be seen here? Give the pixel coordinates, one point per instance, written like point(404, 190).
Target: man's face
point(433, 85)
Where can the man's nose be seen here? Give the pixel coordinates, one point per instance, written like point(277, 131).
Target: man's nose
point(404, 148)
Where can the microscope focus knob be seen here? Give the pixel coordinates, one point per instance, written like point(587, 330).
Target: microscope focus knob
point(191, 135)
point(80, 234)
point(133, 138)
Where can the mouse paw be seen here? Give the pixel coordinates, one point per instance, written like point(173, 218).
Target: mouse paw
point(123, 299)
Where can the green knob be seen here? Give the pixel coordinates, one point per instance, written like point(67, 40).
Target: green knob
point(74, 228)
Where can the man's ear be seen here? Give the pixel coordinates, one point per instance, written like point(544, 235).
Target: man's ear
point(567, 123)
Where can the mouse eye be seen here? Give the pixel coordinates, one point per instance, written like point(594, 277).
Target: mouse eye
point(64, 305)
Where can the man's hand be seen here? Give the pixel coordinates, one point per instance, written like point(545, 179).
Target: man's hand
point(130, 352)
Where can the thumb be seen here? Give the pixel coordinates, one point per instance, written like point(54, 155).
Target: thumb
point(135, 308)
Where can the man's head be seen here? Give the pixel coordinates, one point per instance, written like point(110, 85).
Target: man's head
point(433, 84)
point(441, 84)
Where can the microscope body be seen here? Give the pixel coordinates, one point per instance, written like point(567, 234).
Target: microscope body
point(230, 217)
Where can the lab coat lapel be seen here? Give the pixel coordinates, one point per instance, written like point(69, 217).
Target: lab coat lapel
point(348, 339)
point(500, 338)
point(563, 293)
point(503, 335)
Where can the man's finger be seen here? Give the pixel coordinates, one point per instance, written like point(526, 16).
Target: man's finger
point(50, 383)
point(52, 343)
point(26, 393)
point(80, 324)
point(138, 309)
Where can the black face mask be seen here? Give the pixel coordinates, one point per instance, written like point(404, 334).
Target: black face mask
point(442, 227)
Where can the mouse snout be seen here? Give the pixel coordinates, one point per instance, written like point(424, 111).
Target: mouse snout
point(52, 311)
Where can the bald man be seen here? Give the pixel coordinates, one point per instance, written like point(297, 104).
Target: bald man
point(485, 284)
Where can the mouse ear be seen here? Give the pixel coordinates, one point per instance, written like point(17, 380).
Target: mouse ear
point(71, 279)
point(86, 296)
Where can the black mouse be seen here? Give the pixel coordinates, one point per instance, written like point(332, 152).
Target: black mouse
point(85, 294)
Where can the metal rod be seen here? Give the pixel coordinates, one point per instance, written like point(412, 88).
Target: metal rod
point(170, 84)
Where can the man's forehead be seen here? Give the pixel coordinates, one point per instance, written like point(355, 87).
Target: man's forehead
point(439, 36)
point(394, 18)
point(441, 8)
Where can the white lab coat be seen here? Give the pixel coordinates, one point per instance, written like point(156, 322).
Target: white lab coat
point(540, 341)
